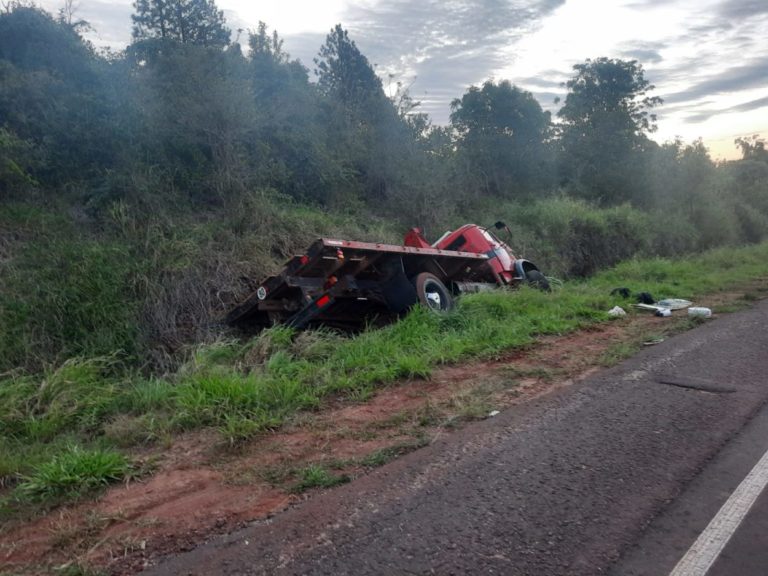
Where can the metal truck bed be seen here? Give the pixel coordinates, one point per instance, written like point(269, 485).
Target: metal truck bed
point(343, 283)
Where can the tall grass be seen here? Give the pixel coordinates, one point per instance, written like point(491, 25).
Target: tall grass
point(73, 473)
point(145, 284)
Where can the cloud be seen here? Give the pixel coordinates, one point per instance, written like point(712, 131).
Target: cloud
point(444, 45)
point(742, 9)
point(643, 52)
point(644, 4)
point(744, 107)
point(734, 79)
point(751, 105)
point(304, 46)
point(110, 21)
point(553, 79)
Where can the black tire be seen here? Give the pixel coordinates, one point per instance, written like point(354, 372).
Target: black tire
point(537, 280)
point(432, 293)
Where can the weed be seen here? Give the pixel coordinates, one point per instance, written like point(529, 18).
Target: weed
point(471, 405)
point(266, 344)
point(542, 373)
point(394, 421)
point(69, 532)
point(68, 297)
point(78, 395)
point(74, 473)
point(317, 476)
point(276, 475)
point(237, 429)
point(385, 455)
point(151, 395)
point(77, 569)
point(127, 430)
point(737, 306)
point(428, 414)
point(619, 351)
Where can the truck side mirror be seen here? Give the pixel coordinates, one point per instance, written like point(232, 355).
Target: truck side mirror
point(500, 225)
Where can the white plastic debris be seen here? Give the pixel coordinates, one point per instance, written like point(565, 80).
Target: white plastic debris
point(674, 303)
point(617, 311)
point(493, 413)
point(700, 311)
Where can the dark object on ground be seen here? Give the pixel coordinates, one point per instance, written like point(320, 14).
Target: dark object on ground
point(346, 284)
point(645, 298)
point(623, 292)
point(538, 280)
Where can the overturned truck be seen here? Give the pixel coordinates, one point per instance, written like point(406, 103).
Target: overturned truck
point(346, 284)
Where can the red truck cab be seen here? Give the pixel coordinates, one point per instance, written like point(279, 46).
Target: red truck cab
point(473, 238)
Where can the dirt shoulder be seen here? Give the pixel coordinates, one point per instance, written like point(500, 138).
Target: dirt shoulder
point(201, 487)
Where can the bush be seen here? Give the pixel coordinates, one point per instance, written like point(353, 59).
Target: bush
point(574, 239)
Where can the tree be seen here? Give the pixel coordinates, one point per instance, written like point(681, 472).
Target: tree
point(292, 141)
point(197, 113)
point(68, 16)
point(186, 21)
point(364, 127)
point(345, 74)
point(273, 70)
point(52, 96)
point(502, 138)
point(605, 122)
point(752, 148)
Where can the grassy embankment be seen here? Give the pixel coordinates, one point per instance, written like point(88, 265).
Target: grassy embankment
point(70, 430)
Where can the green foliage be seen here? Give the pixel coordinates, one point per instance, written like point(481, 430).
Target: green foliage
point(262, 398)
point(77, 395)
point(502, 136)
point(52, 95)
point(316, 476)
point(345, 74)
point(753, 148)
point(19, 456)
point(385, 455)
point(16, 161)
point(237, 429)
point(197, 117)
point(612, 91)
point(74, 473)
point(605, 120)
point(186, 21)
point(64, 297)
point(570, 238)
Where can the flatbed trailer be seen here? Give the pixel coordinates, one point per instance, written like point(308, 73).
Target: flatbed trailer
point(344, 283)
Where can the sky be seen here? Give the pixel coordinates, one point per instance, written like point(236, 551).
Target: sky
point(708, 59)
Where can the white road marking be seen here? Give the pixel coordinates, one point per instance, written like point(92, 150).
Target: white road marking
point(700, 557)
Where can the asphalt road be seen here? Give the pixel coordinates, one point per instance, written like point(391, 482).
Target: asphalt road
point(617, 474)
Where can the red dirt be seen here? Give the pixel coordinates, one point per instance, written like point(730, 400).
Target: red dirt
point(200, 488)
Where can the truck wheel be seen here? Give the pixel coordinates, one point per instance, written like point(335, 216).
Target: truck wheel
point(537, 280)
point(432, 292)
